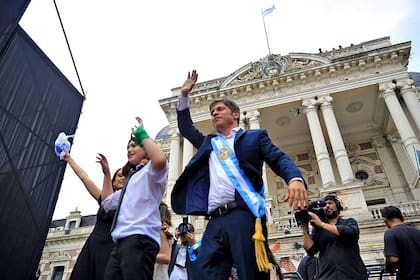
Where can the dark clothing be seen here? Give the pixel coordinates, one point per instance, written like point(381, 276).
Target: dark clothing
point(228, 238)
point(308, 268)
point(403, 241)
point(339, 256)
point(189, 259)
point(227, 241)
point(132, 258)
point(94, 256)
point(252, 148)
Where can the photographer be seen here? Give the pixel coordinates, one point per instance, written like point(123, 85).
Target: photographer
point(336, 240)
point(184, 254)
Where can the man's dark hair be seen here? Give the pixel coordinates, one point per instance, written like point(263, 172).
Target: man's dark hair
point(337, 201)
point(392, 212)
point(229, 103)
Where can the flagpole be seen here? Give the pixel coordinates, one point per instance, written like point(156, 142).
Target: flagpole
point(266, 36)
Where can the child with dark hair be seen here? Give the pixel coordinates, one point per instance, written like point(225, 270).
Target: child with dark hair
point(136, 229)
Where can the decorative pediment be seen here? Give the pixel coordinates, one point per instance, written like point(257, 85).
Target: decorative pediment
point(274, 65)
point(59, 256)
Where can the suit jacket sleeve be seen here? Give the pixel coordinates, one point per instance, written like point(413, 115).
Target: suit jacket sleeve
point(187, 128)
point(278, 161)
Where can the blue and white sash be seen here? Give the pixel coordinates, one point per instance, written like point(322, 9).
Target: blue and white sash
point(227, 158)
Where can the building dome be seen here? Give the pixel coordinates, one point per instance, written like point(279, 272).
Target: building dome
point(163, 134)
point(415, 76)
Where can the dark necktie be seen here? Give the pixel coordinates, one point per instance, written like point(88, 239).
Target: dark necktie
point(122, 195)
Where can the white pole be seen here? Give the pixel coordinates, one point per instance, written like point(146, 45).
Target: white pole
point(265, 30)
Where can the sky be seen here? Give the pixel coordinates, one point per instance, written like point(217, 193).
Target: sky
point(131, 53)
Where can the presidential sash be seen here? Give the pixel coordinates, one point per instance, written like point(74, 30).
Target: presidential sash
point(227, 158)
point(253, 199)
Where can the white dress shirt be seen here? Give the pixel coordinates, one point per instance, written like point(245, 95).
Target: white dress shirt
point(139, 210)
point(181, 259)
point(221, 190)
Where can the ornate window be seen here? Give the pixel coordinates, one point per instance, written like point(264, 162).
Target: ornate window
point(361, 175)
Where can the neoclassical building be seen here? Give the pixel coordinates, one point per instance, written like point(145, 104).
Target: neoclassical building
point(65, 240)
point(349, 117)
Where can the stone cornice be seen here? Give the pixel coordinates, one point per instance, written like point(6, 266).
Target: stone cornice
point(375, 64)
point(75, 235)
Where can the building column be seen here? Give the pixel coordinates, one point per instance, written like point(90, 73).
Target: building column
point(323, 159)
point(254, 123)
point(254, 119)
point(411, 100)
point(187, 153)
point(174, 161)
point(337, 144)
point(402, 156)
point(401, 122)
point(243, 121)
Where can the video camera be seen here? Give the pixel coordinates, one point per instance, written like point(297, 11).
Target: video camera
point(183, 227)
point(316, 206)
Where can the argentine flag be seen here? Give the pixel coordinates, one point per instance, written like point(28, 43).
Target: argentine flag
point(268, 11)
point(418, 159)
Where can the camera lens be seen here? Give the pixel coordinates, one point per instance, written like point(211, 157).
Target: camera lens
point(302, 216)
point(183, 228)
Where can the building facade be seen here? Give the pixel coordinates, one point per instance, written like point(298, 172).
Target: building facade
point(65, 240)
point(348, 117)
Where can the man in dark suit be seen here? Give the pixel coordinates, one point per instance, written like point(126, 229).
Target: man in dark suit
point(223, 181)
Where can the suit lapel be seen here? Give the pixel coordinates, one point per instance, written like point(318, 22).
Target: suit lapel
point(239, 134)
point(203, 151)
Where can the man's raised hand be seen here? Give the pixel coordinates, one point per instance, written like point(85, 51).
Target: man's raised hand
point(189, 83)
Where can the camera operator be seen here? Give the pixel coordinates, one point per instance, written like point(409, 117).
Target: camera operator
point(184, 254)
point(336, 240)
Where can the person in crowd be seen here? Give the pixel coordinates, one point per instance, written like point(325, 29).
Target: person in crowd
point(275, 272)
point(336, 240)
point(94, 255)
point(183, 255)
point(137, 225)
point(223, 181)
point(164, 256)
point(308, 268)
point(401, 245)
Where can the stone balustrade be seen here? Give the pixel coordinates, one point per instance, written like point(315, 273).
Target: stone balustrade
point(408, 209)
point(287, 224)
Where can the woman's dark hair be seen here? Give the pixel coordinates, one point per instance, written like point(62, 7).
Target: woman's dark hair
point(165, 214)
point(113, 178)
point(127, 169)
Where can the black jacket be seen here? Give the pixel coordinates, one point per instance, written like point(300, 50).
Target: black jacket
point(188, 262)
